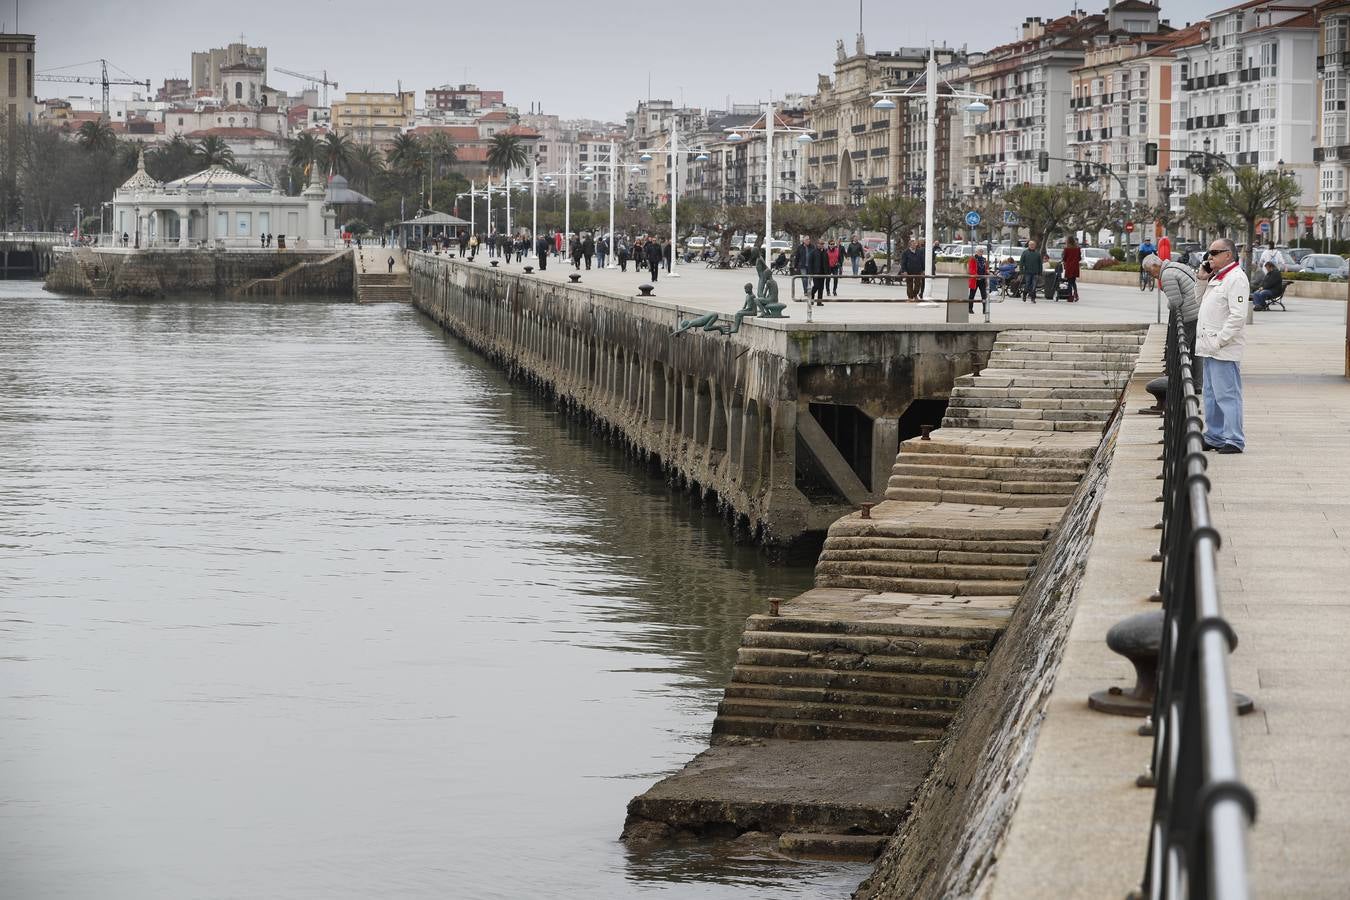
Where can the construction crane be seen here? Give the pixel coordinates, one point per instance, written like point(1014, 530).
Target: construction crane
point(314, 78)
point(90, 79)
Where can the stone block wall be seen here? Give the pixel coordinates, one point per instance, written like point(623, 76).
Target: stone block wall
point(158, 273)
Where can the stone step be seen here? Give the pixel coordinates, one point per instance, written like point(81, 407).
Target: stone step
point(1031, 378)
point(1065, 337)
point(987, 485)
point(961, 411)
point(1008, 362)
point(845, 659)
point(944, 446)
point(1022, 425)
point(977, 498)
point(911, 455)
point(960, 399)
point(1062, 346)
point(891, 628)
point(949, 587)
point(978, 391)
point(820, 731)
point(828, 845)
point(925, 571)
point(940, 688)
point(886, 542)
point(904, 468)
point(886, 645)
point(857, 714)
point(790, 693)
point(950, 557)
point(1108, 359)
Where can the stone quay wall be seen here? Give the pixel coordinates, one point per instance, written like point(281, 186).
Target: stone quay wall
point(115, 272)
point(729, 416)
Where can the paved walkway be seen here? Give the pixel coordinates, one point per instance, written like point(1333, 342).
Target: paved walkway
point(1283, 509)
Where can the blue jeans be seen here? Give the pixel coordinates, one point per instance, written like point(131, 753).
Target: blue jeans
point(854, 260)
point(1261, 298)
point(1223, 403)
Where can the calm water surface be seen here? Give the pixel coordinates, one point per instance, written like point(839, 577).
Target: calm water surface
point(304, 600)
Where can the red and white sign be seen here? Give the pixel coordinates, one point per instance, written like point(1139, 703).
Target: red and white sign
point(1307, 221)
point(1129, 227)
point(1292, 221)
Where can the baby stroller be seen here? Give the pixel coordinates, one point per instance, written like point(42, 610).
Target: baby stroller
point(1055, 287)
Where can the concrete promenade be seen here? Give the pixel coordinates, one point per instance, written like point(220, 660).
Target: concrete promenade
point(701, 288)
point(1283, 509)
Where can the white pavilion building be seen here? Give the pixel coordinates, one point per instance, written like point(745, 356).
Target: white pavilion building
point(217, 208)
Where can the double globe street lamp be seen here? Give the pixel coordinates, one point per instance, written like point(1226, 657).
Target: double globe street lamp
point(769, 125)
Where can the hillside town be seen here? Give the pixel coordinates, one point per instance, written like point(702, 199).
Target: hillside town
point(1130, 108)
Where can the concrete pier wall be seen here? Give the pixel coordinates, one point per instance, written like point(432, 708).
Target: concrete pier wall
point(790, 424)
point(114, 272)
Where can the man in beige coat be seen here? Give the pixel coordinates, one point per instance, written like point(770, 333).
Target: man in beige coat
point(1221, 334)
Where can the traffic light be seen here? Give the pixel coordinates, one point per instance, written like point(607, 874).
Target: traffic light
point(1043, 163)
point(1150, 154)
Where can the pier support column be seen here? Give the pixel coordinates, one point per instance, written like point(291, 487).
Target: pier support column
point(885, 446)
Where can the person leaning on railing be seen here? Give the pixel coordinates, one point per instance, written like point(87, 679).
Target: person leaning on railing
point(1178, 283)
point(1221, 335)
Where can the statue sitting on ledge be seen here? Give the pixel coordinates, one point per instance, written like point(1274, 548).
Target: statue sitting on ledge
point(707, 323)
point(767, 296)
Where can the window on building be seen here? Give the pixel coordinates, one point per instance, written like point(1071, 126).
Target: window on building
point(180, 120)
point(1333, 108)
point(1337, 35)
point(13, 77)
point(238, 90)
point(1268, 59)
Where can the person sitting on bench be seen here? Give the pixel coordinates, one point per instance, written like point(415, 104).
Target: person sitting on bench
point(869, 268)
point(1270, 287)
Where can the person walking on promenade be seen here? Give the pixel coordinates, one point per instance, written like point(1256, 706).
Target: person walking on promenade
point(463, 242)
point(1030, 264)
point(1071, 266)
point(667, 251)
point(557, 243)
point(601, 251)
point(912, 266)
point(978, 267)
point(834, 262)
point(854, 252)
point(655, 257)
point(621, 250)
point(1221, 335)
point(473, 247)
point(587, 250)
point(541, 249)
point(391, 265)
point(800, 257)
point(1177, 281)
point(817, 265)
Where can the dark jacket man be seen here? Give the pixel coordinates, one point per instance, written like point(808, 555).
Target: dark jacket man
point(912, 261)
point(655, 256)
point(542, 247)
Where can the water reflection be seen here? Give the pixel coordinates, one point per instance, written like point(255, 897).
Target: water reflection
point(303, 600)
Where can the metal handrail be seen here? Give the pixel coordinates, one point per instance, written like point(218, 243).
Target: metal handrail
point(1201, 810)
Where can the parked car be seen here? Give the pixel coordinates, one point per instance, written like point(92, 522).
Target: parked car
point(1298, 253)
point(777, 246)
point(1055, 255)
point(1328, 264)
point(1003, 252)
point(696, 244)
point(1096, 258)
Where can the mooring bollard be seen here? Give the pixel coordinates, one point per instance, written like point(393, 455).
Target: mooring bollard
point(924, 431)
point(493, 263)
point(1138, 639)
point(773, 605)
point(645, 289)
point(866, 511)
point(574, 278)
point(529, 270)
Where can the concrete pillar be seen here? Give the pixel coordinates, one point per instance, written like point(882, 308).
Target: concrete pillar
point(885, 446)
point(781, 452)
point(183, 220)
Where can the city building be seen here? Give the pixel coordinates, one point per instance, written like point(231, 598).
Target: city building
point(174, 90)
point(374, 117)
point(1031, 84)
point(1120, 101)
point(18, 53)
point(217, 207)
point(1247, 92)
point(466, 98)
point(1332, 151)
point(650, 129)
point(860, 150)
point(207, 65)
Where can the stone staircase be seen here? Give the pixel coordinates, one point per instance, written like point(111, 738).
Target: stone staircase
point(909, 602)
point(382, 287)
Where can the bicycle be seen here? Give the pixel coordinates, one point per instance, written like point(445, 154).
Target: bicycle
point(1146, 282)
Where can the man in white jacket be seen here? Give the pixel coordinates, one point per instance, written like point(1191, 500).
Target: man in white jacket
point(1221, 334)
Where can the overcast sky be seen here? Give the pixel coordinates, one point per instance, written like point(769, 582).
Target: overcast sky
point(590, 58)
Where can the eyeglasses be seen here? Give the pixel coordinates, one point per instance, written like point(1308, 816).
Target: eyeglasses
point(1212, 252)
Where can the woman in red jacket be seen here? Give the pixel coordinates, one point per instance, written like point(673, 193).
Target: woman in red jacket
point(978, 267)
point(1073, 258)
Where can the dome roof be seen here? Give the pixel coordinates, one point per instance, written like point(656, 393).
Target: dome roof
point(140, 179)
point(218, 178)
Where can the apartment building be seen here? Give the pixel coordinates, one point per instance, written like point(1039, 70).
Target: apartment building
point(464, 98)
point(1332, 150)
point(17, 61)
point(374, 117)
point(206, 65)
point(1247, 92)
point(1031, 84)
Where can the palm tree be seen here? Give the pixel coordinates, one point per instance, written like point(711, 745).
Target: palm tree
point(213, 151)
point(506, 153)
point(439, 150)
point(366, 163)
point(335, 152)
point(407, 153)
point(304, 150)
point(97, 136)
point(172, 160)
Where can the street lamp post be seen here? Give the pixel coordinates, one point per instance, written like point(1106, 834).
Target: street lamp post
point(977, 104)
point(769, 126)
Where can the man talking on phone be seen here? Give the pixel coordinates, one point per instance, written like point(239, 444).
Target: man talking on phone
point(1221, 335)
